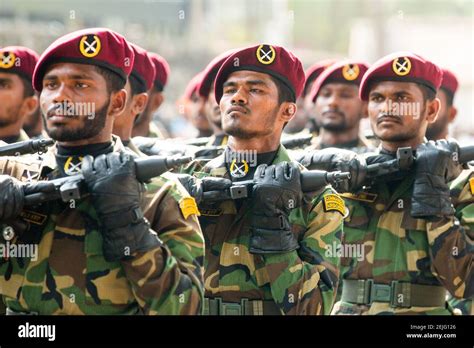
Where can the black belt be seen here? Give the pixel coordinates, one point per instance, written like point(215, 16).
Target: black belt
point(398, 294)
point(215, 306)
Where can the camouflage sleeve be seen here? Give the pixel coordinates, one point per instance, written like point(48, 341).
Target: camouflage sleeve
point(451, 241)
point(305, 281)
point(169, 280)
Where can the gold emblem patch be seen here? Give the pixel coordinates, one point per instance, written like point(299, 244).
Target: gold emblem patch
point(471, 185)
point(266, 54)
point(401, 66)
point(334, 202)
point(239, 169)
point(350, 72)
point(33, 217)
point(90, 46)
point(72, 166)
point(7, 60)
point(188, 207)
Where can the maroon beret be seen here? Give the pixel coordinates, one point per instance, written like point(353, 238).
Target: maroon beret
point(210, 72)
point(193, 85)
point(403, 67)
point(346, 71)
point(313, 72)
point(94, 46)
point(449, 82)
point(143, 68)
point(19, 60)
point(162, 69)
point(273, 60)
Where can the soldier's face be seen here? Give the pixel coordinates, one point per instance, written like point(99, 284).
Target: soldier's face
point(338, 107)
point(249, 105)
point(212, 110)
point(80, 94)
point(11, 98)
point(197, 114)
point(398, 111)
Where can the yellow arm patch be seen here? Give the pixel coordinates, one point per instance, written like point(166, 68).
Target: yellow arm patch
point(188, 207)
point(471, 185)
point(334, 202)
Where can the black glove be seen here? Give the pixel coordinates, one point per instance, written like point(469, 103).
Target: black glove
point(332, 159)
point(434, 168)
point(12, 197)
point(276, 192)
point(116, 196)
point(197, 187)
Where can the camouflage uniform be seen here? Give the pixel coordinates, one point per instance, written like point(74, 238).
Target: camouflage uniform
point(71, 276)
point(297, 282)
point(407, 263)
point(363, 145)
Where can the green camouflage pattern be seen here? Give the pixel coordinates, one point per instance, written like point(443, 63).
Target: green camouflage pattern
point(299, 282)
point(71, 276)
point(400, 247)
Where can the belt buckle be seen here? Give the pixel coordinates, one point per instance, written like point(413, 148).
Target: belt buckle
point(400, 288)
point(380, 293)
point(229, 308)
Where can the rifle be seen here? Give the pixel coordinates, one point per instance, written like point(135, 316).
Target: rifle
point(295, 142)
point(72, 187)
point(405, 159)
point(26, 147)
point(311, 180)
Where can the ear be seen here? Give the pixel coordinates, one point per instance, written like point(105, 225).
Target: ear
point(452, 113)
point(432, 110)
point(117, 102)
point(139, 103)
point(288, 111)
point(29, 105)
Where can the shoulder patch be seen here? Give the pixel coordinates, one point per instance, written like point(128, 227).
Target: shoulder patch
point(471, 185)
point(188, 207)
point(334, 202)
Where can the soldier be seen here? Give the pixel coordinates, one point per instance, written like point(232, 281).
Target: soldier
point(404, 244)
point(447, 112)
point(304, 120)
point(191, 106)
point(211, 108)
point(265, 255)
point(144, 125)
point(138, 87)
point(17, 97)
point(131, 253)
point(337, 107)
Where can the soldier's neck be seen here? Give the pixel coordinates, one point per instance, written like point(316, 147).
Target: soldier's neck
point(11, 130)
point(335, 138)
point(395, 145)
point(98, 139)
point(260, 144)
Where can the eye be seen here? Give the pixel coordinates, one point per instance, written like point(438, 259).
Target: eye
point(81, 85)
point(50, 84)
point(229, 90)
point(403, 97)
point(376, 98)
point(256, 90)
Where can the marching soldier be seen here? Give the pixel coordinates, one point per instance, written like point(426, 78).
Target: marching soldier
point(138, 87)
point(17, 97)
point(337, 107)
point(211, 108)
point(447, 112)
point(119, 249)
point(266, 255)
point(144, 125)
point(304, 122)
point(404, 243)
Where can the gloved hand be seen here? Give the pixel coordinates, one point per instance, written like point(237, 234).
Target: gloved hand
point(332, 159)
point(116, 196)
point(196, 187)
point(434, 168)
point(276, 192)
point(12, 196)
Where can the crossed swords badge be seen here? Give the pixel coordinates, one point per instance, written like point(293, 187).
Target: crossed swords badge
point(401, 66)
point(90, 46)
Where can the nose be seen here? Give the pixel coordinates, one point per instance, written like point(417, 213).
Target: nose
point(239, 97)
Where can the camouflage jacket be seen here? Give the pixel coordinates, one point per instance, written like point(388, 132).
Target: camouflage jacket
point(398, 247)
point(71, 276)
point(363, 145)
point(299, 282)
